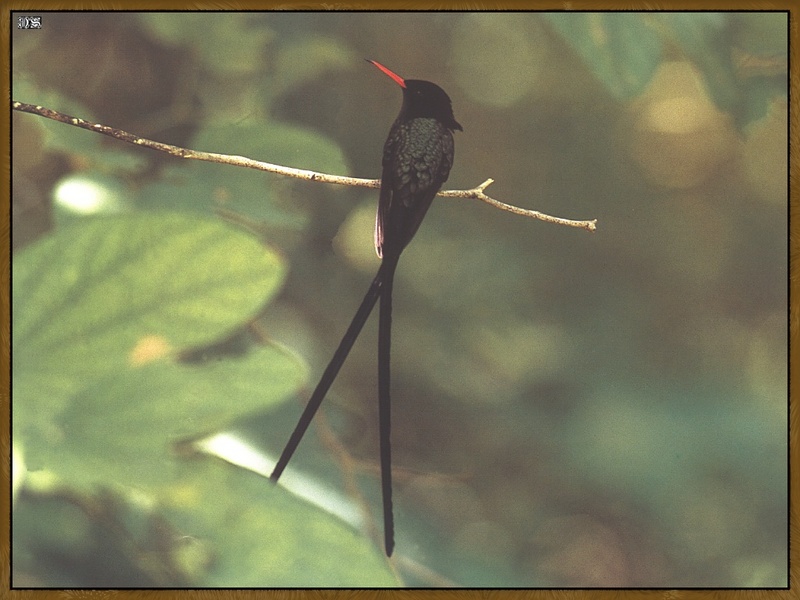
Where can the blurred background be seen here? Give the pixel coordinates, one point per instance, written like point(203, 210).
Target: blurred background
point(570, 409)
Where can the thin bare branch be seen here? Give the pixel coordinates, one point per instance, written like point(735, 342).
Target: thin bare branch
point(476, 193)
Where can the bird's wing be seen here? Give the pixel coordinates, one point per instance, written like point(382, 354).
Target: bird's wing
point(417, 158)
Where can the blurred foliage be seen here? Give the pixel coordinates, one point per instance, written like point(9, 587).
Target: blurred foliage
point(624, 50)
point(102, 311)
point(571, 409)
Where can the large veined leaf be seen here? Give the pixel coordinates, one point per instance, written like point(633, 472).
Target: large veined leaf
point(107, 295)
point(86, 299)
point(120, 430)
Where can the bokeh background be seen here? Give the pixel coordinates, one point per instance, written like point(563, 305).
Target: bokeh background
point(571, 409)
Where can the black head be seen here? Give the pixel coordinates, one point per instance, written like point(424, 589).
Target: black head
point(423, 99)
point(426, 99)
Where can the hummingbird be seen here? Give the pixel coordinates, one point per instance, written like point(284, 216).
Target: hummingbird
point(417, 158)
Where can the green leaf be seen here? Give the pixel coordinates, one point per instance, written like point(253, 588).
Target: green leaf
point(111, 292)
point(217, 526)
point(621, 49)
point(263, 536)
point(624, 49)
point(107, 282)
point(119, 430)
point(95, 306)
point(203, 188)
point(275, 200)
point(274, 142)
